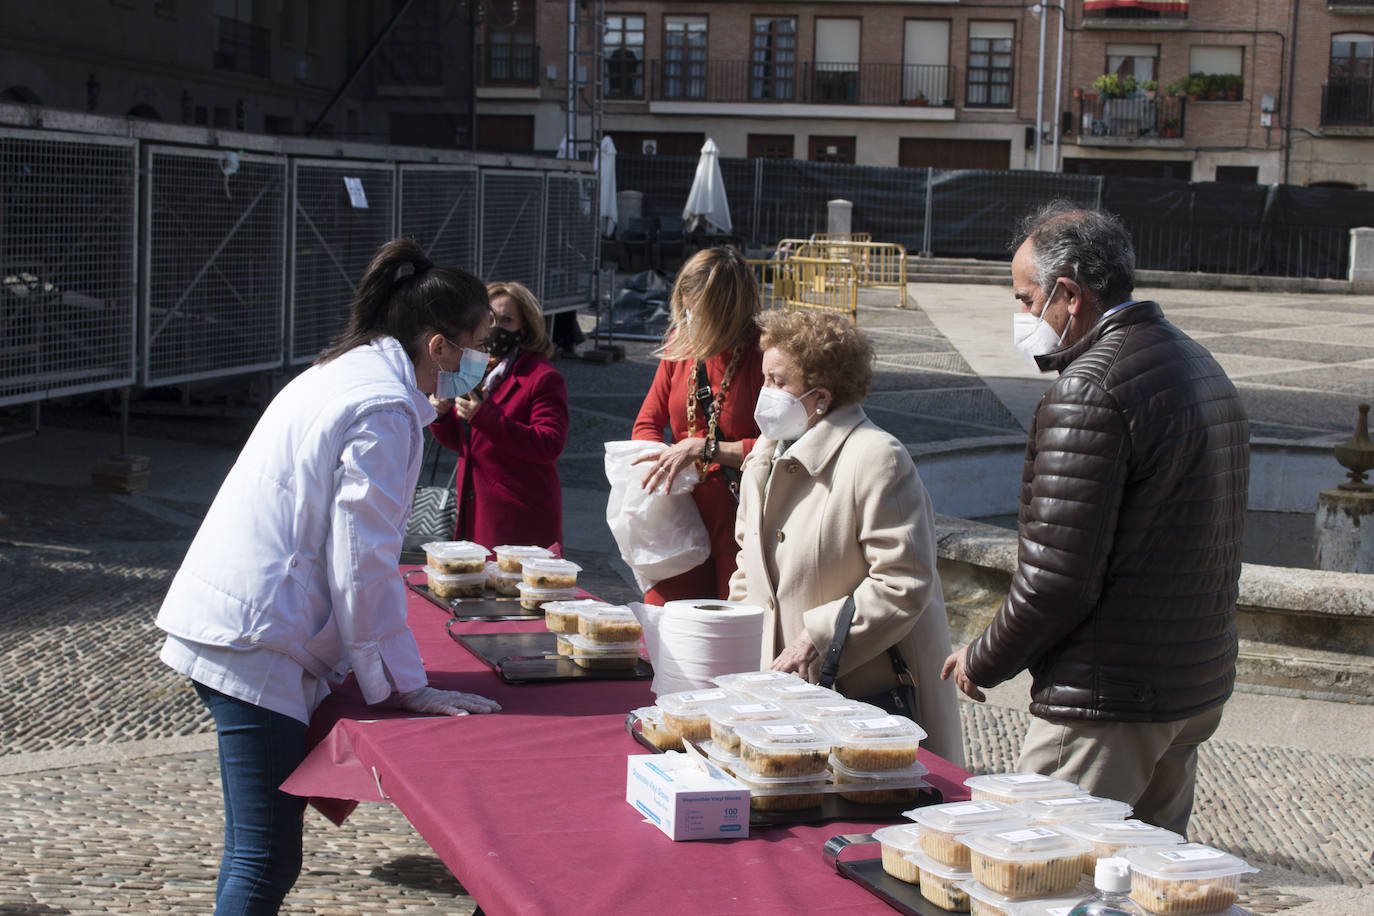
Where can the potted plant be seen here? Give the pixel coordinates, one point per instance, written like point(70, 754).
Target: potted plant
point(920, 101)
point(1233, 85)
point(1178, 88)
point(1109, 84)
point(1214, 84)
point(1197, 86)
point(1150, 88)
point(1171, 128)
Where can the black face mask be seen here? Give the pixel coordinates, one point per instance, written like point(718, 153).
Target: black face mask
point(501, 342)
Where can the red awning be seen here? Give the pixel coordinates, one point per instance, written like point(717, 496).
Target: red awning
point(1177, 7)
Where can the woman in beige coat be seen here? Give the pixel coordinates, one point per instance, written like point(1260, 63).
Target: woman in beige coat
point(831, 506)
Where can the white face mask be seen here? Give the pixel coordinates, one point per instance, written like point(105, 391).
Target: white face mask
point(780, 414)
point(1034, 336)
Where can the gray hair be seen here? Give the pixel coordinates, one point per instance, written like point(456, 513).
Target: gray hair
point(1090, 247)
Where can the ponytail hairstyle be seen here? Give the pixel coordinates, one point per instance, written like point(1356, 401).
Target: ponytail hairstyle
point(403, 295)
point(535, 336)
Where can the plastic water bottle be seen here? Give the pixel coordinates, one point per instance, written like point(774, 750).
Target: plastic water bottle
point(1112, 879)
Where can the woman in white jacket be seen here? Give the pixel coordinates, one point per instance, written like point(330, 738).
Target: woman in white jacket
point(291, 581)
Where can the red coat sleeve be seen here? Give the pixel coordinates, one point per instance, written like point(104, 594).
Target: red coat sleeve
point(543, 437)
point(653, 413)
point(448, 431)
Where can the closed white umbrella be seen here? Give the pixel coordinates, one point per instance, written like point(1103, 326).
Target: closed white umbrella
point(610, 210)
point(706, 203)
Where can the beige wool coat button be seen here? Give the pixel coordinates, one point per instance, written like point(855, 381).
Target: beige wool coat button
point(781, 537)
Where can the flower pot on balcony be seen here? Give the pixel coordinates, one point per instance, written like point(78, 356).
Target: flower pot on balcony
point(1232, 95)
point(920, 101)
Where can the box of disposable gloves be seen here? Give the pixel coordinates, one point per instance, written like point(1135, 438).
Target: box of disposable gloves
point(686, 798)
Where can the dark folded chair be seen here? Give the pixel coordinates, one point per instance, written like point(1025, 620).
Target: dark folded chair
point(672, 243)
point(636, 243)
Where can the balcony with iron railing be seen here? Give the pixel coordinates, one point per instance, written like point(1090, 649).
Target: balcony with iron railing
point(804, 82)
point(1115, 121)
point(1348, 104)
point(243, 47)
point(513, 64)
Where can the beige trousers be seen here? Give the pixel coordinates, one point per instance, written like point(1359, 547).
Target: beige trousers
point(1150, 765)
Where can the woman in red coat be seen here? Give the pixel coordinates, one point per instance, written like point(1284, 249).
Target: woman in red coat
point(711, 341)
point(509, 432)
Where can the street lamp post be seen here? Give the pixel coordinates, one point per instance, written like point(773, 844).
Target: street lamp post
point(1038, 10)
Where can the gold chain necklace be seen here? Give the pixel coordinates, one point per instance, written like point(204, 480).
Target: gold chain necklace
point(713, 419)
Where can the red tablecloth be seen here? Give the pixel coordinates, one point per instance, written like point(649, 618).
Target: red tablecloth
point(527, 807)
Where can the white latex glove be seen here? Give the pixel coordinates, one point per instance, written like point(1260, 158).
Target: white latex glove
point(445, 702)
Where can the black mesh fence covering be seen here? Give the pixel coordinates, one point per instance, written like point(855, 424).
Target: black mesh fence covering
point(1211, 227)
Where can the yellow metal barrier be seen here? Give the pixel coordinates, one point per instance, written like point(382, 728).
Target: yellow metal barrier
point(813, 283)
point(841, 237)
point(876, 264)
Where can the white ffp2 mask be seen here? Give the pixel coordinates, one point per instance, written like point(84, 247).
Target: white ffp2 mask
point(780, 414)
point(1034, 336)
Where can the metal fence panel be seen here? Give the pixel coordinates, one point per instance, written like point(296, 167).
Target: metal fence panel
point(512, 230)
point(334, 238)
point(974, 213)
point(889, 203)
point(665, 182)
point(214, 247)
point(439, 210)
point(68, 217)
point(570, 240)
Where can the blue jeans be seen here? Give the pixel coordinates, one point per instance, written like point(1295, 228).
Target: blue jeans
point(258, 749)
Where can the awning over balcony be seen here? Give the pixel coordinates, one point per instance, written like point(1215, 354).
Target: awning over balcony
point(1177, 7)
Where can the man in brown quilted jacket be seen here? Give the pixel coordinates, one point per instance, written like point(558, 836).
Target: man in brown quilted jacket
point(1133, 498)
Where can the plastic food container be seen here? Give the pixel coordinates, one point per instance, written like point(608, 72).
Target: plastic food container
point(796, 749)
point(879, 787)
point(453, 557)
point(748, 683)
point(685, 712)
point(1075, 808)
point(564, 647)
point(1027, 861)
point(1018, 787)
point(532, 599)
point(984, 901)
point(943, 825)
point(1184, 880)
point(720, 756)
point(511, 558)
point(549, 572)
point(609, 623)
point(588, 653)
point(942, 884)
point(794, 692)
point(562, 616)
point(784, 793)
point(459, 585)
point(818, 711)
point(653, 730)
point(896, 842)
point(875, 743)
point(1110, 837)
point(725, 716)
point(504, 583)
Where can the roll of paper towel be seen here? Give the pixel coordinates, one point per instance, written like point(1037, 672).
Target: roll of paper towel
point(692, 641)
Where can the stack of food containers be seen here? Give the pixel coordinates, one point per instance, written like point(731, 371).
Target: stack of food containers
point(898, 842)
point(562, 616)
point(1184, 880)
point(942, 858)
point(455, 569)
point(546, 579)
point(784, 764)
point(874, 757)
point(607, 636)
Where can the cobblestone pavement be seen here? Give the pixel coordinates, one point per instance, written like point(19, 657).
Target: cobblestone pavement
point(81, 575)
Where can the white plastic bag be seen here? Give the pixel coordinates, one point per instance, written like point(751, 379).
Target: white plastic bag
point(659, 534)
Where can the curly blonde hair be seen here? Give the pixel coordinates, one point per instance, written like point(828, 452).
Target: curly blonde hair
point(535, 336)
point(719, 288)
point(830, 351)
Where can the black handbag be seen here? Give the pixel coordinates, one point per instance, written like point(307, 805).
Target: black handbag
point(900, 700)
point(433, 509)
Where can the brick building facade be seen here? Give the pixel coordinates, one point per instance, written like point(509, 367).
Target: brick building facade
point(955, 85)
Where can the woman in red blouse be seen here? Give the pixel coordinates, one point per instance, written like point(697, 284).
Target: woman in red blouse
point(509, 432)
point(711, 343)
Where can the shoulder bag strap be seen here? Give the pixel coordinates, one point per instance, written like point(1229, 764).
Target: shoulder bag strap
point(830, 667)
point(705, 397)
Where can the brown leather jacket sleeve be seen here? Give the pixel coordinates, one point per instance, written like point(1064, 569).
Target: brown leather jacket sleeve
point(1077, 459)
